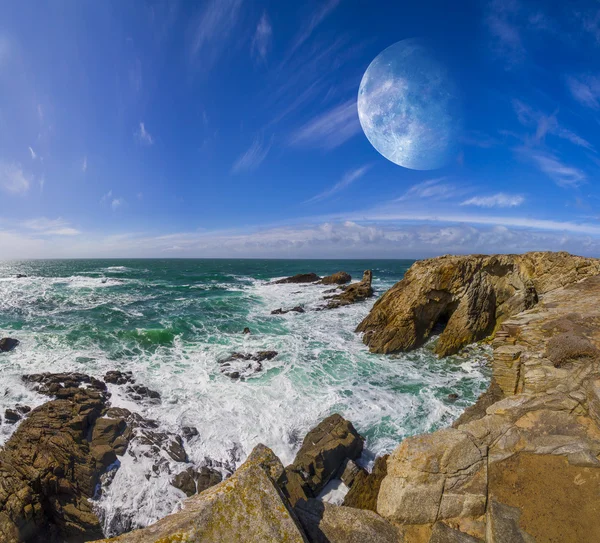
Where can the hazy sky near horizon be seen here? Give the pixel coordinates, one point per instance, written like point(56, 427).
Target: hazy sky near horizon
point(229, 128)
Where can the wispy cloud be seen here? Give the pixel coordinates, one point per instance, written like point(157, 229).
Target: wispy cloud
point(330, 129)
point(212, 30)
point(562, 174)
point(348, 178)
point(50, 227)
point(253, 157)
point(316, 18)
point(496, 200)
point(106, 197)
point(546, 124)
point(12, 178)
point(143, 136)
point(84, 164)
point(117, 203)
point(437, 189)
point(585, 89)
point(33, 154)
point(261, 42)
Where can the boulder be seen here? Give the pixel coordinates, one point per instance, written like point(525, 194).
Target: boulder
point(193, 481)
point(299, 278)
point(338, 278)
point(116, 377)
point(246, 330)
point(324, 450)
point(8, 344)
point(365, 488)
point(246, 507)
point(141, 392)
point(470, 295)
point(442, 533)
point(353, 293)
point(327, 523)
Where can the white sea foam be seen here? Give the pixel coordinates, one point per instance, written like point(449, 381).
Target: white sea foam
point(322, 367)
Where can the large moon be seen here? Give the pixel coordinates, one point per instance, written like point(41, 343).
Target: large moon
point(409, 108)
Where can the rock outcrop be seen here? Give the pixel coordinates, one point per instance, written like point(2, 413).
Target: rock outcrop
point(470, 295)
point(299, 278)
point(323, 452)
point(338, 278)
point(249, 506)
point(242, 365)
point(523, 465)
point(352, 293)
point(8, 344)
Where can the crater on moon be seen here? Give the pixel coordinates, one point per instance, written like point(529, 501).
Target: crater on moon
point(409, 108)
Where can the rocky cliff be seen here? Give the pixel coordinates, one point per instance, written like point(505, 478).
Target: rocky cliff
point(469, 295)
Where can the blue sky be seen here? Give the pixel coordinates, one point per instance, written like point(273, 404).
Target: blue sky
point(228, 128)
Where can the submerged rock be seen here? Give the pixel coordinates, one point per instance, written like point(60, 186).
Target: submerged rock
point(281, 311)
point(470, 295)
point(242, 365)
point(299, 278)
point(353, 293)
point(338, 278)
point(246, 330)
point(8, 344)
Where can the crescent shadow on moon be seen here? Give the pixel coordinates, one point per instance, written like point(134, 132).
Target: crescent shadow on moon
point(409, 108)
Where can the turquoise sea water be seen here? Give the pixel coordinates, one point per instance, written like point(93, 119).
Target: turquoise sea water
point(170, 321)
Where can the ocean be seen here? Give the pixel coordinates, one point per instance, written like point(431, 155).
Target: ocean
point(171, 321)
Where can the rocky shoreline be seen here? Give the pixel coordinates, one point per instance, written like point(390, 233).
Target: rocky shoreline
point(521, 465)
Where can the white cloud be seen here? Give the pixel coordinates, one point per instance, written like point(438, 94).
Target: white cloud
point(143, 136)
point(330, 129)
point(261, 42)
point(212, 30)
point(117, 203)
point(546, 124)
point(325, 8)
point(84, 164)
point(436, 189)
point(50, 227)
point(346, 181)
point(12, 178)
point(33, 155)
point(586, 90)
point(253, 157)
point(497, 200)
point(562, 174)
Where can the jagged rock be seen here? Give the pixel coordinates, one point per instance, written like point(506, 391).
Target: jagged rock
point(323, 451)
point(348, 472)
point(246, 330)
point(63, 385)
point(281, 311)
point(193, 481)
point(246, 507)
point(353, 293)
point(327, 523)
point(242, 365)
point(299, 278)
point(365, 488)
point(48, 472)
point(472, 294)
point(20, 276)
point(141, 392)
point(8, 344)
point(442, 533)
point(11, 416)
point(338, 278)
point(189, 432)
point(117, 377)
point(107, 432)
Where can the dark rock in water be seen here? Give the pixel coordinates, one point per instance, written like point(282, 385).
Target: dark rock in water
point(20, 275)
point(8, 344)
point(246, 330)
point(241, 365)
point(281, 311)
point(141, 392)
point(116, 377)
point(339, 278)
point(365, 487)
point(23, 409)
point(11, 416)
point(188, 432)
point(327, 523)
point(299, 278)
point(63, 385)
point(323, 451)
point(353, 293)
point(453, 396)
point(192, 481)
